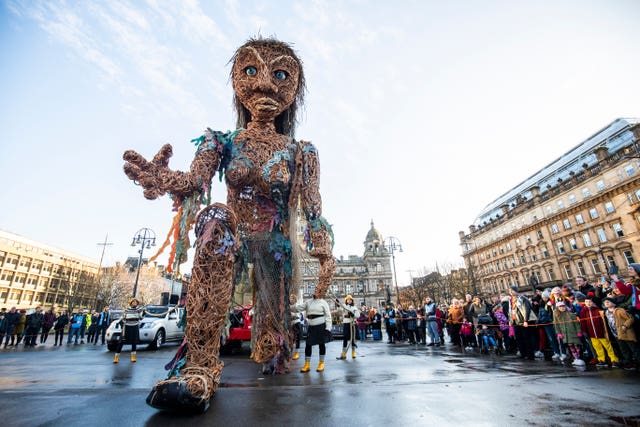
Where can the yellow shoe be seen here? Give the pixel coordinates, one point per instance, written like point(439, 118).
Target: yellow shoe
point(296, 355)
point(251, 356)
point(353, 354)
point(133, 357)
point(116, 358)
point(343, 355)
point(306, 367)
point(320, 367)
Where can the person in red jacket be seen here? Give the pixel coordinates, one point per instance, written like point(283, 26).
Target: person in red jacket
point(593, 326)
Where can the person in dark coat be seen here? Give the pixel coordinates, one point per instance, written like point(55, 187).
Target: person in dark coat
point(11, 320)
point(61, 323)
point(33, 325)
point(49, 320)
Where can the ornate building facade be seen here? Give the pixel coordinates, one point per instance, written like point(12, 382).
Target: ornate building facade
point(578, 216)
point(368, 278)
point(33, 274)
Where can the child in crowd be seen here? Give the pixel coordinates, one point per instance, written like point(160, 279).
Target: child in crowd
point(503, 326)
point(487, 334)
point(620, 322)
point(569, 332)
point(593, 326)
point(466, 333)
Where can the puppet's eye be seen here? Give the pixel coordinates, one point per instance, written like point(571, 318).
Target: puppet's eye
point(280, 74)
point(251, 71)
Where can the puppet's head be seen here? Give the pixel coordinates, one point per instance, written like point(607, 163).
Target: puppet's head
point(268, 84)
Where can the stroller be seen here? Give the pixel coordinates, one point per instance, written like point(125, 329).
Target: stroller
point(488, 334)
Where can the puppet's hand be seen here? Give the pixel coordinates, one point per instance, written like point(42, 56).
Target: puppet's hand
point(150, 175)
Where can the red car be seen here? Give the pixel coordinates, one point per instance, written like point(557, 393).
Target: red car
point(240, 329)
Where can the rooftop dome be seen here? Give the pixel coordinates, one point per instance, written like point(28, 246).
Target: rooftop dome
point(373, 234)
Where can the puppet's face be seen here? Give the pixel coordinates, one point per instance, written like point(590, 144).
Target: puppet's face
point(265, 81)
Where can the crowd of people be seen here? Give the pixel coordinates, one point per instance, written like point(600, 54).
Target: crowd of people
point(577, 323)
point(32, 329)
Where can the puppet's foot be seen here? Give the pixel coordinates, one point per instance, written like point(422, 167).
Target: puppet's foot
point(190, 392)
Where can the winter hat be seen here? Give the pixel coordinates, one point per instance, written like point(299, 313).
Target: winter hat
point(589, 296)
point(636, 267)
point(611, 300)
point(580, 296)
point(561, 304)
point(546, 294)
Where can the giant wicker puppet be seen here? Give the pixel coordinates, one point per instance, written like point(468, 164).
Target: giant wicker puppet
point(270, 177)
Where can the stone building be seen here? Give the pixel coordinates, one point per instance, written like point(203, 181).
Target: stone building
point(33, 274)
point(368, 278)
point(579, 215)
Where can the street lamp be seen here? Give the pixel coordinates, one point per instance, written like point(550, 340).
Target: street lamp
point(144, 237)
point(468, 254)
point(392, 244)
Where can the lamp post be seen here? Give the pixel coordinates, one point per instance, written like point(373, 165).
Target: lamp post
point(144, 237)
point(471, 275)
point(392, 244)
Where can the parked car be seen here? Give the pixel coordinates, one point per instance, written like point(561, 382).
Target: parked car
point(154, 330)
point(239, 329)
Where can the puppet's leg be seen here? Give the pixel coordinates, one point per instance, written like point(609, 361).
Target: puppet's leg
point(270, 254)
point(208, 301)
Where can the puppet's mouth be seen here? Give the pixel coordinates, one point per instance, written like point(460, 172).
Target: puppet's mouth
point(266, 104)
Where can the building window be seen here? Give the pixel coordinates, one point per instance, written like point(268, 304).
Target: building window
point(560, 204)
point(572, 244)
point(637, 195)
point(581, 270)
point(610, 261)
point(586, 192)
point(567, 271)
point(567, 224)
point(593, 213)
point(545, 252)
point(628, 256)
point(528, 239)
point(596, 266)
point(579, 219)
point(513, 262)
point(601, 236)
point(618, 229)
point(6, 276)
point(630, 170)
point(554, 228)
point(501, 250)
point(551, 274)
point(549, 210)
point(560, 247)
point(517, 242)
point(523, 261)
point(539, 234)
point(609, 208)
point(572, 198)
point(586, 239)
point(600, 185)
point(534, 258)
point(508, 246)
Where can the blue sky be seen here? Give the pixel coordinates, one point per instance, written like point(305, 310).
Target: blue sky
point(423, 111)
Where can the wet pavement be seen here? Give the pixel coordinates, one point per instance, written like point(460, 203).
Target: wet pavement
point(385, 385)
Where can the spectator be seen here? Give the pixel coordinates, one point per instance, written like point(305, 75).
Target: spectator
point(620, 322)
point(19, 329)
point(569, 333)
point(390, 323)
point(77, 319)
point(12, 318)
point(547, 331)
point(523, 319)
point(411, 316)
point(430, 308)
point(103, 323)
point(593, 326)
point(92, 334)
point(376, 325)
point(86, 322)
point(421, 331)
point(503, 326)
point(631, 290)
point(455, 317)
point(58, 328)
point(33, 325)
point(362, 322)
point(48, 322)
point(3, 324)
